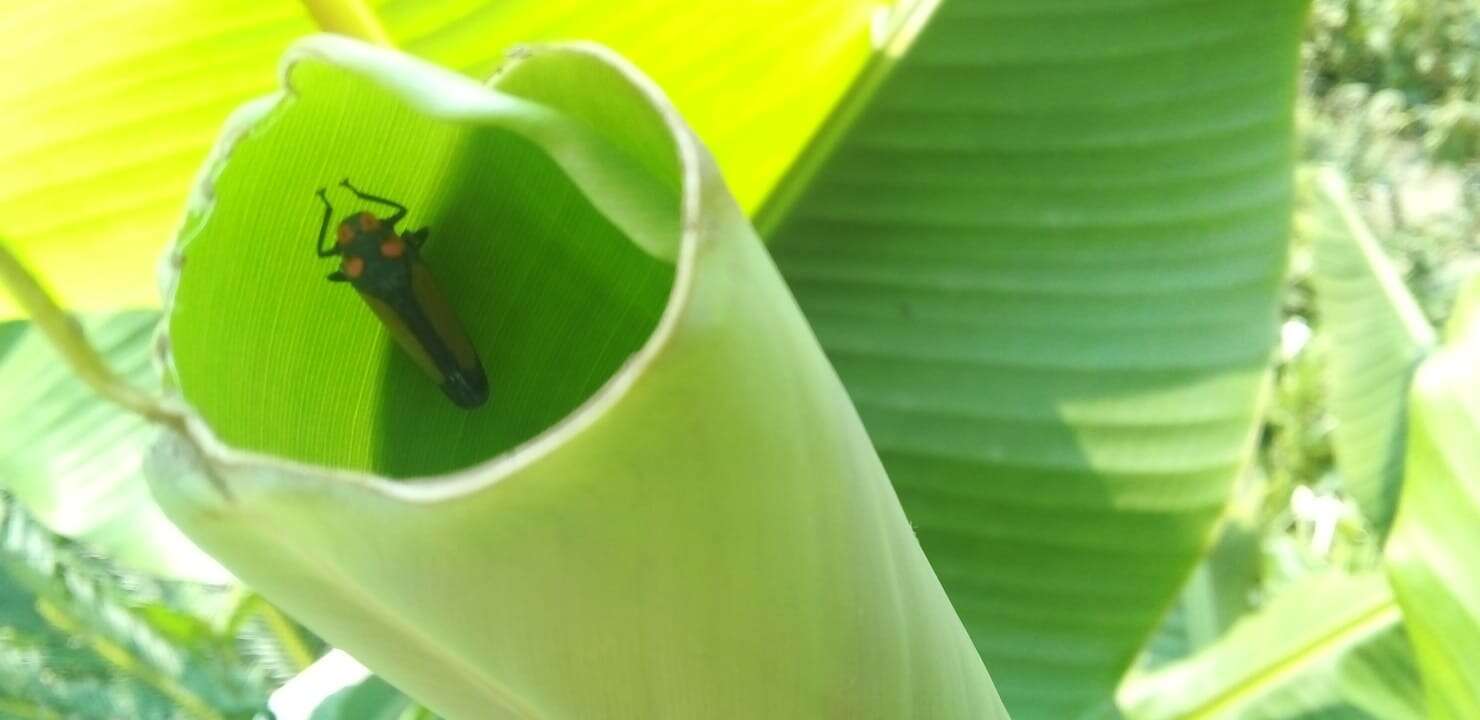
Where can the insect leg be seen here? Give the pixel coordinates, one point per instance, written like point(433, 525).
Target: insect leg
point(324, 229)
point(392, 220)
point(418, 238)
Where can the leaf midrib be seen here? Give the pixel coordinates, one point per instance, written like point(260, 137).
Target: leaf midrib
point(1368, 622)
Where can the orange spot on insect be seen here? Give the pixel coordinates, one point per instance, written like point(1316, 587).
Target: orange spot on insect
point(368, 221)
point(393, 248)
point(346, 234)
point(352, 267)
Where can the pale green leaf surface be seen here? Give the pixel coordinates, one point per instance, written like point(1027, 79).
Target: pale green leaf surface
point(1328, 646)
point(1045, 257)
point(122, 100)
point(686, 520)
point(370, 699)
point(74, 459)
point(1431, 553)
point(1377, 335)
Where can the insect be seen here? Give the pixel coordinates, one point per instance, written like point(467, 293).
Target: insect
point(385, 267)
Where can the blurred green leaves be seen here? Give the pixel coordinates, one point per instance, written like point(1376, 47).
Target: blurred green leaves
point(1426, 51)
point(1405, 423)
point(78, 639)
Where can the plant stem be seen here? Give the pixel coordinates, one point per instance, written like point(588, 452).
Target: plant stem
point(69, 340)
point(287, 635)
point(15, 708)
point(351, 18)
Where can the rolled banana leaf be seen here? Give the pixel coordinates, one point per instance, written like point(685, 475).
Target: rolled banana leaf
point(668, 507)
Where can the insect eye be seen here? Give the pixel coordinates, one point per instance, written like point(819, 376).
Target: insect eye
point(352, 267)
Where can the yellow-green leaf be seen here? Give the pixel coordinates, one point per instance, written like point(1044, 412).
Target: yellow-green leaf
point(120, 101)
point(1329, 645)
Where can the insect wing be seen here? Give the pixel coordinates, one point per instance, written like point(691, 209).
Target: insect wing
point(403, 336)
point(439, 313)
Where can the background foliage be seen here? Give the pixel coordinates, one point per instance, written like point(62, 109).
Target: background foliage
point(1392, 98)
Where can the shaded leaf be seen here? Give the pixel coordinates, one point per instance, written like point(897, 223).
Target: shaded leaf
point(1043, 246)
point(80, 640)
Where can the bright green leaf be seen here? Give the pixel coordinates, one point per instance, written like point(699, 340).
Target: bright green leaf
point(1431, 553)
point(1377, 336)
point(1329, 646)
point(1044, 250)
point(686, 520)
